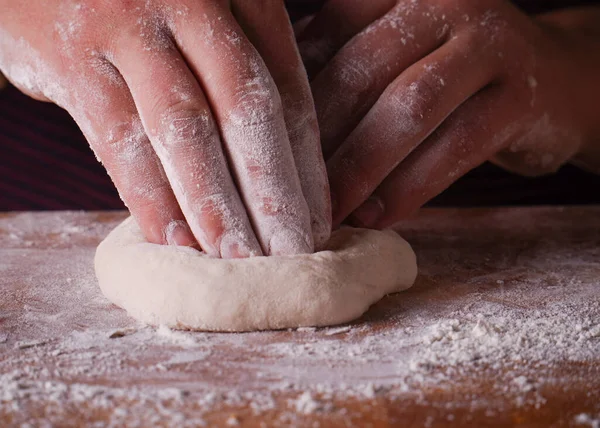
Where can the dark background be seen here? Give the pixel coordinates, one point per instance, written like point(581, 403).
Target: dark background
point(46, 164)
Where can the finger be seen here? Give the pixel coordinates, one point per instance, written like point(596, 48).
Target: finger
point(283, 61)
point(473, 134)
point(335, 24)
point(301, 24)
point(248, 109)
point(109, 121)
point(183, 133)
point(410, 109)
point(356, 77)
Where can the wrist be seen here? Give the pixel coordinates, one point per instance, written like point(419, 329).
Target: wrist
point(579, 34)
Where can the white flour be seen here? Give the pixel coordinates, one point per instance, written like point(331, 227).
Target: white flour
point(513, 318)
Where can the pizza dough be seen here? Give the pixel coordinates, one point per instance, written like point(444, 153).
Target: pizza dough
point(184, 288)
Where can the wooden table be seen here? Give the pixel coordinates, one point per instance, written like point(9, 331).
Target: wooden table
point(501, 328)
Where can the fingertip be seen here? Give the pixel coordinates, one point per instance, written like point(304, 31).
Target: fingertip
point(154, 234)
point(234, 247)
point(290, 243)
point(178, 233)
point(153, 228)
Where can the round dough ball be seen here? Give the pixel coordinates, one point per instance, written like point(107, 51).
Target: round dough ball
point(184, 288)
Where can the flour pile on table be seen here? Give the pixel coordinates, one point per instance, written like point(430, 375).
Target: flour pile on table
point(522, 330)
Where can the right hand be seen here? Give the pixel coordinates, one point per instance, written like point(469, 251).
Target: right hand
point(200, 111)
point(411, 95)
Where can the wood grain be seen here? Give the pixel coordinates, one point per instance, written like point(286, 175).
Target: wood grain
point(418, 358)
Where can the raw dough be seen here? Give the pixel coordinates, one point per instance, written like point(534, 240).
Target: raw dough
point(183, 288)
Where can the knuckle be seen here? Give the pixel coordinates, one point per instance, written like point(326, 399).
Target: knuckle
point(119, 133)
point(213, 202)
point(124, 142)
point(169, 107)
point(424, 89)
point(298, 105)
point(182, 124)
point(416, 101)
point(534, 161)
point(255, 122)
point(497, 27)
point(255, 101)
point(356, 75)
point(473, 42)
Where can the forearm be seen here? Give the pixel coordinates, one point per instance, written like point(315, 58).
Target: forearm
point(580, 28)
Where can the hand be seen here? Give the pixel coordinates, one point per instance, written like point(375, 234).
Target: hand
point(200, 111)
point(411, 95)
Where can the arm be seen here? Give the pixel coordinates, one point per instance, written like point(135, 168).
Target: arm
point(410, 96)
point(200, 111)
point(580, 28)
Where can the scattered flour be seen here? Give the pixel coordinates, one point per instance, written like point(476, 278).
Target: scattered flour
point(522, 315)
point(306, 404)
point(585, 419)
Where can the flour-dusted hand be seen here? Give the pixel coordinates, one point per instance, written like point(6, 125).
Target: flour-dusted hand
point(412, 94)
point(200, 110)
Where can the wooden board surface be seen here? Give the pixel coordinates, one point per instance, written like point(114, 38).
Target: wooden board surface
point(502, 328)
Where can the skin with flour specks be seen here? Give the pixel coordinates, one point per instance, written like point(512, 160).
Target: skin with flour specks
point(412, 94)
point(204, 121)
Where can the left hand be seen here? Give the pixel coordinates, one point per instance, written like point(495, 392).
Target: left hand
point(200, 110)
point(411, 95)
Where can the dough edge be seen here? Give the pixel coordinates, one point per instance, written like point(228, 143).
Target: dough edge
point(184, 289)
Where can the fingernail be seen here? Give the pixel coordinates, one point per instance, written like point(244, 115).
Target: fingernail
point(179, 234)
point(369, 213)
point(289, 243)
point(234, 247)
